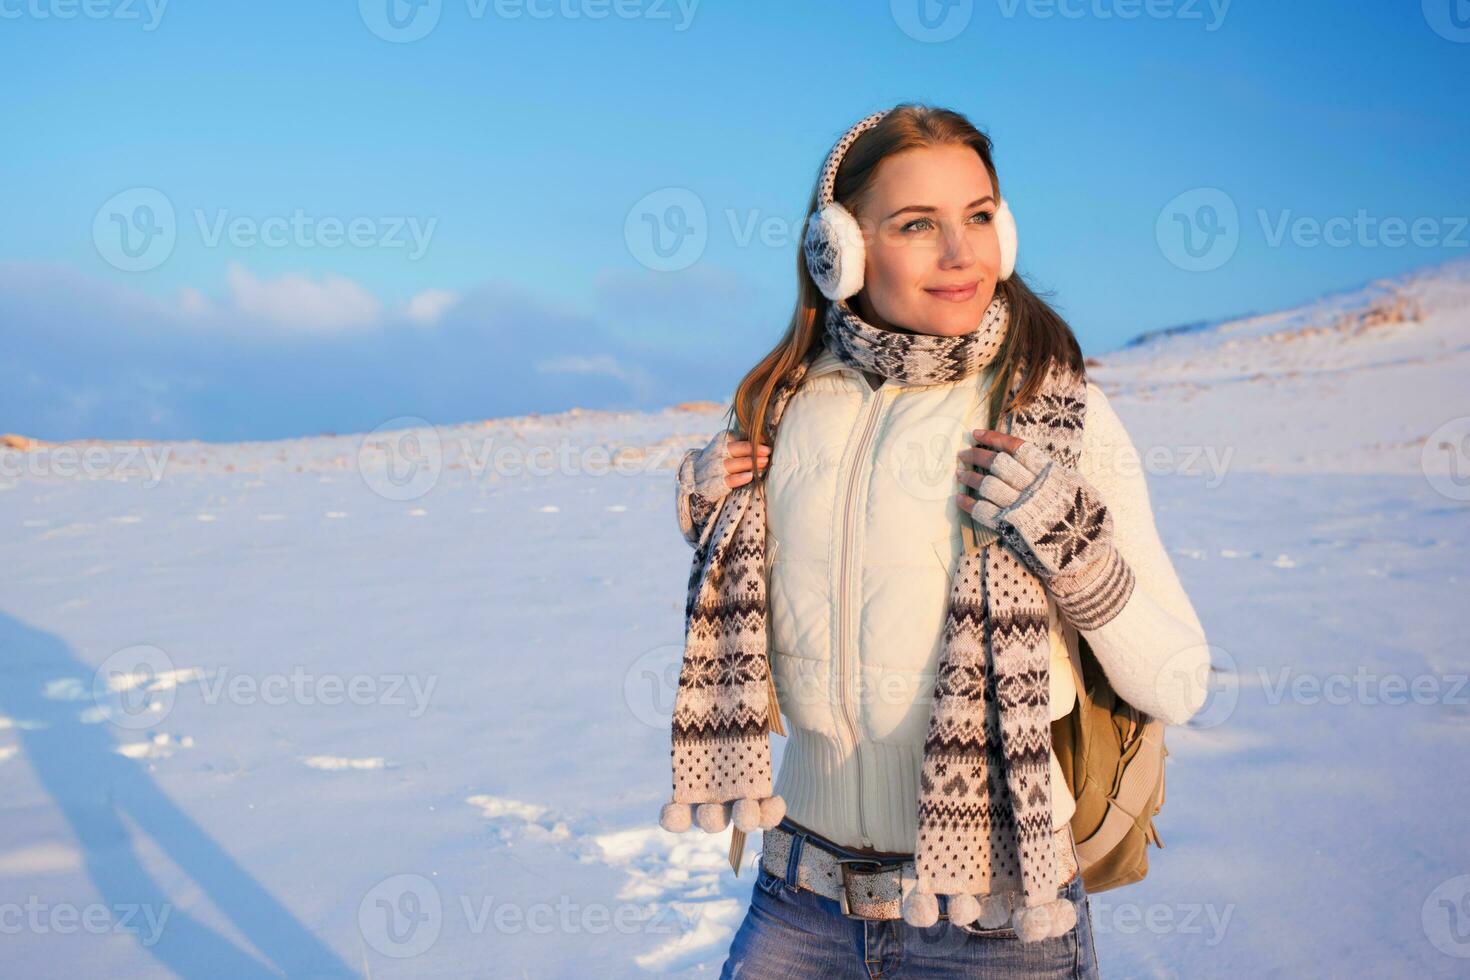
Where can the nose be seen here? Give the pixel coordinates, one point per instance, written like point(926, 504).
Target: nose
point(958, 252)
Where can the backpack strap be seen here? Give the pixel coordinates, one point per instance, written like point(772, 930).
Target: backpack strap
point(1125, 808)
point(976, 535)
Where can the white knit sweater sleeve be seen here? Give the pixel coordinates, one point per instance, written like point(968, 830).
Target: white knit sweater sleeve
point(699, 486)
point(1154, 650)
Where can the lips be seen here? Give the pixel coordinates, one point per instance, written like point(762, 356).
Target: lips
point(954, 294)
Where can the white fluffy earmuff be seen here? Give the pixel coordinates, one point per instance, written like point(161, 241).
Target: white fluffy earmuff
point(833, 243)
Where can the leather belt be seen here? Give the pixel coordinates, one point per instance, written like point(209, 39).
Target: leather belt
point(866, 887)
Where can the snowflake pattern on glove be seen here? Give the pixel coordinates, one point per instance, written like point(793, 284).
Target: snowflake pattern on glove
point(1058, 525)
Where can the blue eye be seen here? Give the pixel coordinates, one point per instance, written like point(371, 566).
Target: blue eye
point(984, 216)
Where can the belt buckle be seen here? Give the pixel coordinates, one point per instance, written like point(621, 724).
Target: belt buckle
point(844, 896)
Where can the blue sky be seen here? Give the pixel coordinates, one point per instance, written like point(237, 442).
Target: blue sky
point(1167, 162)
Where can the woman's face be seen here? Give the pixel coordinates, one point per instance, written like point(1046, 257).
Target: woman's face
point(933, 256)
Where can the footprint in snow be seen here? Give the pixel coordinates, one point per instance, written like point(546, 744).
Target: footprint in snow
point(531, 819)
point(684, 881)
point(160, 746)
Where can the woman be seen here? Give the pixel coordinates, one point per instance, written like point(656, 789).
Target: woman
point(916, 828)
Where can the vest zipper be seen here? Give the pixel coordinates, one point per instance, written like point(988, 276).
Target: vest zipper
point(859, 454)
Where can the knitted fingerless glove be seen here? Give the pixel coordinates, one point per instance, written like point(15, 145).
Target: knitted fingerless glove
point(1058, 524)
point(701, 485)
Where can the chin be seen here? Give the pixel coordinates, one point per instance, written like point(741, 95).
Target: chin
point(954, 320)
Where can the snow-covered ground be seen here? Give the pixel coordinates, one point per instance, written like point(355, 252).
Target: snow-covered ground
point(301, 708)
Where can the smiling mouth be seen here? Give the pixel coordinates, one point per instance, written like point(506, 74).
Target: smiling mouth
point(954, 294)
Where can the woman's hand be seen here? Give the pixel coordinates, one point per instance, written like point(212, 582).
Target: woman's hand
point(724, 464)
point(740, 462)
point(1047, 512)
point(706, 475)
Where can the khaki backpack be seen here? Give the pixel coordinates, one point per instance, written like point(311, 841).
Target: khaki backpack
point(1112, 756)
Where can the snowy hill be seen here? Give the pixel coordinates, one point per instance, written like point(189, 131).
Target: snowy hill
point(1351, 383)
point(395, 705)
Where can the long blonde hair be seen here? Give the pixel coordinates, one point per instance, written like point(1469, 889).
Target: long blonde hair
point(1036, 332)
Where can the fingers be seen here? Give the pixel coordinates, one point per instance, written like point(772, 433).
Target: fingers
point(1016, 462)
point(990, 444)
point(982, 510)
point(740, 466)
point(985, 513)
point(1003, 441)
point(741, 447)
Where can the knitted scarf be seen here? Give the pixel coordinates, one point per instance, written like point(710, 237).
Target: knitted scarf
point(985, 838)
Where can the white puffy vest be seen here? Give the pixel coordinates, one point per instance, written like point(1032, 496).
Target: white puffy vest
point(863, 537)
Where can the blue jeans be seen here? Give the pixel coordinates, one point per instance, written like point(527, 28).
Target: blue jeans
point(795, 934)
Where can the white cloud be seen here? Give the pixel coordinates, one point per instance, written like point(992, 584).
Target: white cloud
point(579, 364)
point(329, 304)
point(428, 306)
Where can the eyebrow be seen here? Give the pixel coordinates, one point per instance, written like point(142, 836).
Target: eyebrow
point(927, 209)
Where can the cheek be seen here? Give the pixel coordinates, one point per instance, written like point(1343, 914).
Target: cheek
point(987, 249)
point(895, 268)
